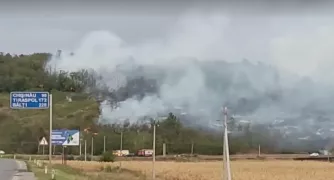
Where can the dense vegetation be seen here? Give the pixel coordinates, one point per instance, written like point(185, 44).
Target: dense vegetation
point(20, 130)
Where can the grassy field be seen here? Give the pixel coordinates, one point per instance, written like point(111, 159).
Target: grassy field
point(241, 170)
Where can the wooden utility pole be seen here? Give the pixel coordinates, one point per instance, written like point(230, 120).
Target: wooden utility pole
point(104, 144)
point(192, 148)
point(164, 149)
point(85, 150)
point(92, 150)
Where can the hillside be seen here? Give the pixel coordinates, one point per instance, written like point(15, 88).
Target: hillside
point(20, 130)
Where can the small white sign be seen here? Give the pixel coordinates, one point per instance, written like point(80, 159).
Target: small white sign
point(43, 142)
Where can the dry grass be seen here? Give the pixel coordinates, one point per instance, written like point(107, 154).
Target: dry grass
point(241, 170)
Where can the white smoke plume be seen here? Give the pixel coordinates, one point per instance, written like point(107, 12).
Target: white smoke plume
point(194, 36)
point(197, 41)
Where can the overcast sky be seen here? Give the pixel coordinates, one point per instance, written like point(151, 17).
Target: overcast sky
point(297, 36)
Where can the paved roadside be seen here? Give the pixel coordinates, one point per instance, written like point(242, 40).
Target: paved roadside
point(22, 172)
point(8, 168)
point(11, 169)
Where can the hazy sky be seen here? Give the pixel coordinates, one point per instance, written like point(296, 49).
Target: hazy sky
point(298, 36)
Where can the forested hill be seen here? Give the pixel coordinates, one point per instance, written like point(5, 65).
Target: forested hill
point(27, 72)
point(20, 130)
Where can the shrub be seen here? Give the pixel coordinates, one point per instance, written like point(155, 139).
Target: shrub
point(70, 157)
point(82, 158)
point(108, 168)
point(107, 157)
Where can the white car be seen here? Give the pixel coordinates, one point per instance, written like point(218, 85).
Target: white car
point(2, 152)
point(314, 154)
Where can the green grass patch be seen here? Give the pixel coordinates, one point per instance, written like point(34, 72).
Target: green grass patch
point(62, 173)
point(28, 166)
point(67, 169)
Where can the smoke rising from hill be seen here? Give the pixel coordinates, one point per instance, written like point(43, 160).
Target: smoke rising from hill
point(193, 71)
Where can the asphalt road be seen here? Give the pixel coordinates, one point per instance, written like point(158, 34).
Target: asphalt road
point(8, 168)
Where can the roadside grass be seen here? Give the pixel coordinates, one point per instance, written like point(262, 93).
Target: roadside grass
point(67, 172)
point(61, 173)
point(106, 172)
point(103, 172)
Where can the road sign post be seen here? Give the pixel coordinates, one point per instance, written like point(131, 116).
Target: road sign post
point(43, 143)
point(33, 100)
point(64, 138)
point(50, 135)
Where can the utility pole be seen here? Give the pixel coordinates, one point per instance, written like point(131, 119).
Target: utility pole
point(164, 149)
point(85, 150)
point(153, 155)
point(104, 144)
point(50, 135)
point(192, 148)
point(121, 148)
point(80, 147)
point(226, 148)
point(92, 150)
point(224, 158)
point(154, 124)
point(121, 145)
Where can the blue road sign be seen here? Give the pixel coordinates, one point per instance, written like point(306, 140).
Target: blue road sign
point(29, 100)
point(64, 137)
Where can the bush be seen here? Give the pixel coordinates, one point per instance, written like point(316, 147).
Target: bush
point(82, 158)
point(107, 157)
point(108, 168)
point(70, 157)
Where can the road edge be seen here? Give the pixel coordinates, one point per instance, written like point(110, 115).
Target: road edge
point(22, 172)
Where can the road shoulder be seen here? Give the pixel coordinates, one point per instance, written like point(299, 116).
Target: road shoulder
point(23, 172)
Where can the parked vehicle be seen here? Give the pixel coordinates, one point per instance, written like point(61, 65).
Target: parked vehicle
point(314, 154)
point(145, 152)
point(121, 153)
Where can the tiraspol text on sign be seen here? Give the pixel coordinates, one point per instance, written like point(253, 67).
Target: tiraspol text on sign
point(29, 100)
